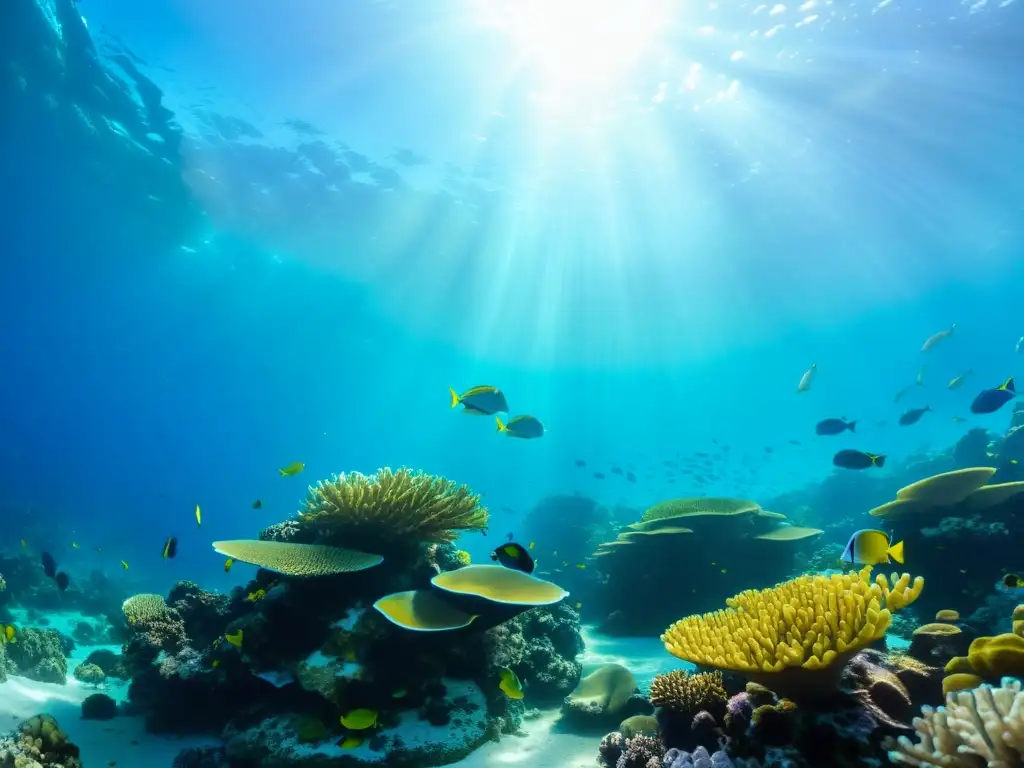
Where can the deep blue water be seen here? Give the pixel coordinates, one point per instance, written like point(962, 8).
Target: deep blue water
point(350, 210)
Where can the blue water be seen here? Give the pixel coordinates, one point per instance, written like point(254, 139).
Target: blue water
point(354, 206)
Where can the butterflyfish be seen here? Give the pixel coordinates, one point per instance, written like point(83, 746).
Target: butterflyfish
point(870, 547)
point(509, 684)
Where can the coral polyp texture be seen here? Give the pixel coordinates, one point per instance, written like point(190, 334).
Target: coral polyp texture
point(302, 560)
point(390, 508)
point(808, 622)
point(141, 610)
point(983, 727)
point(688, 694)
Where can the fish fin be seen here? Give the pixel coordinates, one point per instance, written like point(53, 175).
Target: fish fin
point(852, 426)
point(896, 552)
point(455, 397)
point(501, 425)
point(878, 461)
point(1009, 386)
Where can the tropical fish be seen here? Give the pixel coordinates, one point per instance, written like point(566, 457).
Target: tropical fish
point(170, 547)
point(228, 563)
point(199, 515)
point(599, 475)
point(533, 544)
point(514, 556)
point(74, 545)
point(257, 504)
point(1020, 345)
point(124, 564)
point(579, 463)
point(483, 400)
point(913, 416)
point(850, 459)
point(401, 693)
point(256, 596)
point(215, 663)
point(956, 381)
point(359, 719)
point(292, 469)
point(937, 337)
point(630, 477)
point(579, 605)
point(834, 426)
point(581, 566)
point(9, 633)
point(49, 565)
point(526, 427)
point(350, 741)
point(234, 639)
point(807, 379)
point(991, 400)
point(509, 684)
point(1012, 581)
point(870, 547)
point(62, 580)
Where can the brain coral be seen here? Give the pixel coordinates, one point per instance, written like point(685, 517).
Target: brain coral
point(141, 610)
point(390, 508)
point(807, 623)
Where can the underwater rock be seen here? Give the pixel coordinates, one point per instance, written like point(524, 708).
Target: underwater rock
point(99, 706)
point(201, 757)
point(204, 614)
point(604, 696)
point(89, 674)
point(325, 675)
point(38, 743)
point(407, 739)
point(39, 655)
point(110, 662)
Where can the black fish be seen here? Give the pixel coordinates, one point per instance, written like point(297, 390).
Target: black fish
point(834, 426)
point(913, 416)
point(514, 556)
point(580, 463)
point(850, 459)
point(1011, 581)
point(49, 565)
point(170, 547)
point(991, 400)
point(616, 471)
point(599, 475)
point(794, 442)
point(62, 581)
point(631, 477)
point(509, 536)
point(257, 504)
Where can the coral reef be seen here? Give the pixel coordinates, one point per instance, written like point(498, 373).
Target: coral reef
point(39, 654)
point(38, 743)
point(89, 674)
point(983, 727)
point(787, 636)
point(99, 706)
point(604, 697)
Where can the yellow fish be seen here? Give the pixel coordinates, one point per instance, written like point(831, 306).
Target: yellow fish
point(533, 544)
point(292, 469)
point(74, 545)
point(124, 565)
point(199, 515)
point(227, 564)
point(724, 571)
point(581, 565)
point(870, 547)
point(215, 663)
point(235, 639)
point(509, 684)
point(259, 594)
point(578, 606)
point(359, 719)
point(350, 741)
point(10, 633)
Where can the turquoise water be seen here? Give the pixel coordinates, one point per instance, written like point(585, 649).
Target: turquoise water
point(241, 234)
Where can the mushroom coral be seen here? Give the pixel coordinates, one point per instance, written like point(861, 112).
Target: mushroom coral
point(801, 626)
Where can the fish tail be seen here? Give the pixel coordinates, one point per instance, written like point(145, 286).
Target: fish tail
point(501, 426)
point(455, 397)
point(282, 472)
point(1009, 386)
point(896, 552)
point(878, 461)
point(852, 426)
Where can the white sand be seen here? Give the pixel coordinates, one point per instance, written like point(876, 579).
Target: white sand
point(100, 741)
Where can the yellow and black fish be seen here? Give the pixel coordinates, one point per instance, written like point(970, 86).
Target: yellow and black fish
point(292, 469)
point(1013, 581)
point(514, 556)
point(62, 580)
point(483, 400)
point(524, 427)
point(851, 459)
point(228, 563)
point(170, 547)
point(124, 564)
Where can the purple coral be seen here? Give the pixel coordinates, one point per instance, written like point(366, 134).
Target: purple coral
point(639, 751)
point(699, 758)
point(610, 750)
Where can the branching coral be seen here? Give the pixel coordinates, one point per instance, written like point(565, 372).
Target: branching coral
point(984, 727)
point(687, 694)
point(808, 623)
point(390, 508)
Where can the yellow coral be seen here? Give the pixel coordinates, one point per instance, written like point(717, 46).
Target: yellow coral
point(807, 623)
point(141, 610)
point(390, 508)
point(462, 557)
point(680, 692)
